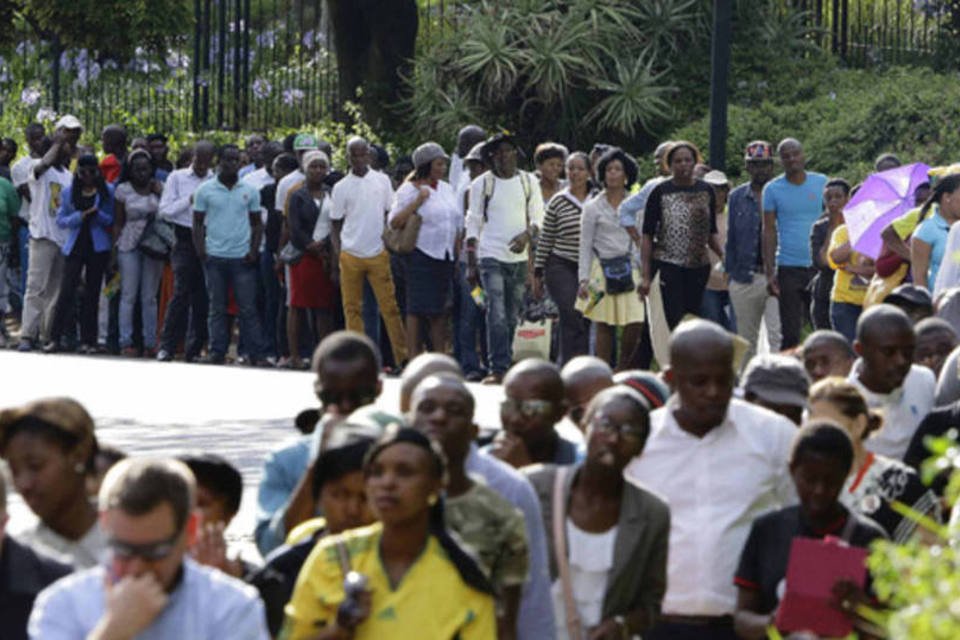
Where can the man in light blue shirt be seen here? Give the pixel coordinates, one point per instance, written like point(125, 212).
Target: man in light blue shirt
point(226, 234)
point(792, 202)
point(149, 589)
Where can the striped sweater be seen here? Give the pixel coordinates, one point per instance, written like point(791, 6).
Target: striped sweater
point(560, 234)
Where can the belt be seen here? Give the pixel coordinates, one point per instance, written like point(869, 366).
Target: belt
point(697, 621)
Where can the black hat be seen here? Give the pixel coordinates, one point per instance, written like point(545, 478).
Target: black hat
point(910, 295)
point(495, 140)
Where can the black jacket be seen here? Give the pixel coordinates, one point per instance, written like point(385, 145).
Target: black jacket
point(24, 573)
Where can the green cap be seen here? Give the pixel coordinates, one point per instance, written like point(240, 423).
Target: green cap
point(304, 142)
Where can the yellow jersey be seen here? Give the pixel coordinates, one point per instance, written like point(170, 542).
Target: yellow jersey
point(847, 287)
point(432, 602)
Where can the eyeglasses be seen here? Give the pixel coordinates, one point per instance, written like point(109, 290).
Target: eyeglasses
point(527, 408)
point(452, 409)
point(151, 552)
point(356, 397)
point(624, 430)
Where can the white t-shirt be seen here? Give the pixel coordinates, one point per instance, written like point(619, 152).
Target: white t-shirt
point(45, 193)
point(506, 215)
point(20, 175)
point(283, 189)
point(362, 204)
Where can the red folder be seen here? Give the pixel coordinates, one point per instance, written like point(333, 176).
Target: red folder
point(815, 566)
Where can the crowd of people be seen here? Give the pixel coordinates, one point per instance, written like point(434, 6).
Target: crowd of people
point(617, 499)
point(608, 505)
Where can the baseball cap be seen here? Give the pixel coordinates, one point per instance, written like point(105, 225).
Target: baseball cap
point(496, 139)
point(427, 153)
point(304, 141)
point(69, 122)
point(758, 150)
point(777, 379)
point(476, 153)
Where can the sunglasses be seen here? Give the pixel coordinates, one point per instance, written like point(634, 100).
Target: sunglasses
point(527, 408)
point(452, 409)
point(356, 397)
point(625, 430)
point(151, 551)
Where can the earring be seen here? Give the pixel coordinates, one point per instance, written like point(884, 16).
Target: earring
point(432, 500)
point(79, 468)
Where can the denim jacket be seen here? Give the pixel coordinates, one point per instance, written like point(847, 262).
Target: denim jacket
point(743, 232)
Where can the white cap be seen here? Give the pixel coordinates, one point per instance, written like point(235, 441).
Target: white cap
point(716, 178)
point(69, 122)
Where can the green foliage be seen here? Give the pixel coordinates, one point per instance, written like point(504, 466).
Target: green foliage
point(921, 583)
point(845, 118)
point(571, 70)
point(114, 27)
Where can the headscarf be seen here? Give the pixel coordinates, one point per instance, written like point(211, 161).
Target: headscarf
point(310, 156)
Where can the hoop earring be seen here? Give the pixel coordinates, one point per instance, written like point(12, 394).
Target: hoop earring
point(432, 500)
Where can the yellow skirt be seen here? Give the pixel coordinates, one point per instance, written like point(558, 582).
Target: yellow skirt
point(617, 310)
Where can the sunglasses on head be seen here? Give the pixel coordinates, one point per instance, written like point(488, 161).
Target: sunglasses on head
point(357, 397)
point(528, 408)
point(151, 552)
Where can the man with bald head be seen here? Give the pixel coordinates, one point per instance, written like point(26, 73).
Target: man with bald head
point(529, 415)
point(719, 462)
point(792, 202)
point(584, 377)
point(361, 201)
point(444, 409)
point(901, 391)
point(188, 306)
point(827, 353)
point(424, 365)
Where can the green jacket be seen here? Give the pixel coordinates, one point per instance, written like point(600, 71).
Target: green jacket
point(9, 208)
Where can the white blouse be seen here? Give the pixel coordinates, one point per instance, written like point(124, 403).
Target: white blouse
point(591, 561)
point(442, 218)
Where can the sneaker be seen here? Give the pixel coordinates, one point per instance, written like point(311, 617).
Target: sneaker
point(51, 347)
point(212, 358)
point(474, 376)
point(164, 356)
point(25, 345)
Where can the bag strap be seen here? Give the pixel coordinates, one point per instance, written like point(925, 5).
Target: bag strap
point(560, 547)
point(848, 528)
point(488, 186)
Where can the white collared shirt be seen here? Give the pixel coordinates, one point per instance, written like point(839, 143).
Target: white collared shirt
point(902, 409)
point(175, 202)
point(362, 203)
point(442, 219)
point(259, 178)
point(206, 605)
point(716, 486)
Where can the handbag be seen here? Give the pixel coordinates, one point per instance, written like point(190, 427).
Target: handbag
point(571, 613)
point(157, 239)
point(617, 274)
point(403, 240)
point(289, 254)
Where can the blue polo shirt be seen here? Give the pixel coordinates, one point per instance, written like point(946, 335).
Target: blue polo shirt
point(934, 231)
point(227, 216)
point(797, 207)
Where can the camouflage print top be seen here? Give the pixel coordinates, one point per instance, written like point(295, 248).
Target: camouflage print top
point(493, 530)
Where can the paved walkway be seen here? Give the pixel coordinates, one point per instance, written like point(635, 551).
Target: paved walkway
point(147, 407)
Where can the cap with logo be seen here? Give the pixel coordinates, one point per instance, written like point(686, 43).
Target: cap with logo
point(304, 142)
point(758, 150)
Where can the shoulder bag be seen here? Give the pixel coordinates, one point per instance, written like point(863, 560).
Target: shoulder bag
point(402, 240)
point(617, 274)
point(157, 239)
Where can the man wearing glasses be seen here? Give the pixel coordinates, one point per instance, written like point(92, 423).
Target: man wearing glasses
point(533, 407)
point(148, 588)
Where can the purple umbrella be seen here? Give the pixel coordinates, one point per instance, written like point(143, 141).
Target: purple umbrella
point(882, 198)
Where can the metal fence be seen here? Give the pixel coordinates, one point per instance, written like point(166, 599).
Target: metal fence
point(870, 32)
point(258, 64)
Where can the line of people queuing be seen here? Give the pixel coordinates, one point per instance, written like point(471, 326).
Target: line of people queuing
point(449, 253)
point(606, 506)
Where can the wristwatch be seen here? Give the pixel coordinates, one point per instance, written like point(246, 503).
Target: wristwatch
point(622, 621)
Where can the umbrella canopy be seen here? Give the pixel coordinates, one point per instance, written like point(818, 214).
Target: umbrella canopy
point(881, 199)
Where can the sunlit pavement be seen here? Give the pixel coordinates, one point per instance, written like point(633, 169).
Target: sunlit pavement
point(148, 407)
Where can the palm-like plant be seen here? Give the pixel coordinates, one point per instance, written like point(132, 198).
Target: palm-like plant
point(666, 23)
point(491, 52)
point(635, 95)
point(555, 58)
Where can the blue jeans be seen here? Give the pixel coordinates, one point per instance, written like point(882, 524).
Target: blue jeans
point(221, 274)
point(717, 308)
point(468, 324)
point(139, 277)
point(504, 284)
point(843, 318)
